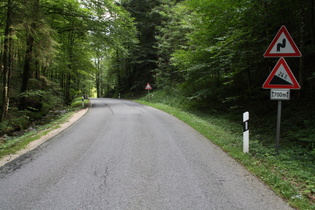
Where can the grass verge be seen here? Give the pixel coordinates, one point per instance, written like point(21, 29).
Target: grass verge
point(13, 145)
point(290, 177)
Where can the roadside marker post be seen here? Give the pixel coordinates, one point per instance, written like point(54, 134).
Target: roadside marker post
point(246, 132)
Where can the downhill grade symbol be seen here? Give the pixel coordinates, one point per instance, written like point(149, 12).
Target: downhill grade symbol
point(281, 77)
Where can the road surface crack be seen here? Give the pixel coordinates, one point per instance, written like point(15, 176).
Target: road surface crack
point(110, 109)
point(104, 177)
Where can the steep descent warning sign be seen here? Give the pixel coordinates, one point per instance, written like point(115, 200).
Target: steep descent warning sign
point(282, 45)
point(148, 87)
point(281, 77)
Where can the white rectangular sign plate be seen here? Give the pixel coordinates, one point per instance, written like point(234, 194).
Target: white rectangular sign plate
point(280, 94)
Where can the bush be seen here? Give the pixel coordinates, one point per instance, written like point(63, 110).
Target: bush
point(17, 121)
point(39, 102)
point(31, 99)
point(77, 103)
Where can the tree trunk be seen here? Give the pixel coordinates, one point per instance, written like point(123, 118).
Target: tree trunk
point(27, 63)
point(312, 26)
point(98, 85)
point(30, 41)
point(7, 62)
point(68, 89)
point(98, 77)
point(37, 70)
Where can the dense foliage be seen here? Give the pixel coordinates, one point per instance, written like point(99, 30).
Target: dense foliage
point(51, 52)
point(211, 53)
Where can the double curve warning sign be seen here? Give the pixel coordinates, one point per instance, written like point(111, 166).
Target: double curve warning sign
point(282, 45)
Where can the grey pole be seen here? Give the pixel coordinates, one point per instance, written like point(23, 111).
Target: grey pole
point(278, 126)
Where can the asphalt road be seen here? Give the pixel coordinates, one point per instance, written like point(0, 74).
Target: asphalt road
point(124, 155)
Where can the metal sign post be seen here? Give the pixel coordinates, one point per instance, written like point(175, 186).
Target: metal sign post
point(279, 94)
point(148, 87)
point(278, 126)
point(149, 95)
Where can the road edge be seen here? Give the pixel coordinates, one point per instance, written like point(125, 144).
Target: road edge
point(34, 144)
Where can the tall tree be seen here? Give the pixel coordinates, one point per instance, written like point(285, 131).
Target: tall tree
point(171, 36)
point(7, 60)
point(143, 59)
point(31, 25)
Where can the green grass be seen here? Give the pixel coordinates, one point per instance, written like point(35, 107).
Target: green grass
point(13, 145)
point(77, 103)
point(289, 175)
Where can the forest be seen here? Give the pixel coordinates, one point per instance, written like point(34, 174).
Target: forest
point(208, 55)
point(201, 56)
point(54, 51)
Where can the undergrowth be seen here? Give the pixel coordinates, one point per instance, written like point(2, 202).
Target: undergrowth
point(12, 144)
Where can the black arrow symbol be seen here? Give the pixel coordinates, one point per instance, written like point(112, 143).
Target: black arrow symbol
point(281, 45)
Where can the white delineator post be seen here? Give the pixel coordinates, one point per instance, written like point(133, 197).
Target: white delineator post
point(246, 132)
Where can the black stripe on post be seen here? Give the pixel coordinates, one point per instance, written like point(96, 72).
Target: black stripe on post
point(246, 125)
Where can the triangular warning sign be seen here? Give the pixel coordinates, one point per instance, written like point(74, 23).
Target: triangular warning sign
point(281, 77)
point(282, 45)
point(148, 87)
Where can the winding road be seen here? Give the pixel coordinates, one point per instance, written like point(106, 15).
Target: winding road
point(125, 155)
